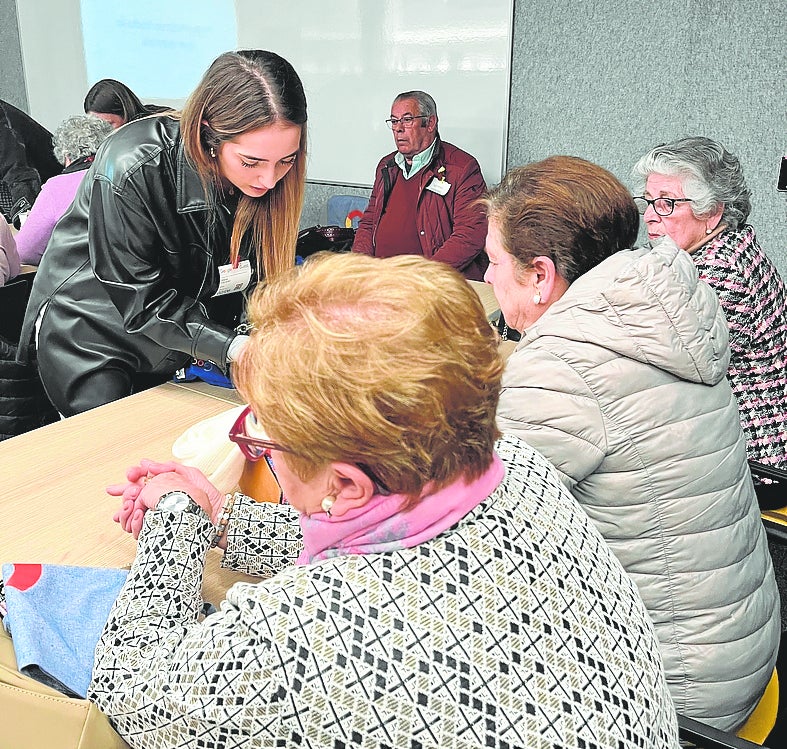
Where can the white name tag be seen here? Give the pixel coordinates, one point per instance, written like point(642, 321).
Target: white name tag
point(440, 186)
point(233, 279)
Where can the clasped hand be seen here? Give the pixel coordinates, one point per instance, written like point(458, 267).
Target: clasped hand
point(147, 482)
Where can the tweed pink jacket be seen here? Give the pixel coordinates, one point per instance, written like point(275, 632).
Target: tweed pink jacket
point(754, 301)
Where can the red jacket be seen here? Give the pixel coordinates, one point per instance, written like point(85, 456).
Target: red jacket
point(451, 228)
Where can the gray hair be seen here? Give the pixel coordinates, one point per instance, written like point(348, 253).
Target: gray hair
point(426, 104)
point(711, 176)
point(79, 136)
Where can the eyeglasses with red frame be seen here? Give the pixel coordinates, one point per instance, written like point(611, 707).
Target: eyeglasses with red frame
point(253, 448)
point(256, 448)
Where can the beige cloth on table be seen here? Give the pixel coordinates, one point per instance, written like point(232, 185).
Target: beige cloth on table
point(206, 446)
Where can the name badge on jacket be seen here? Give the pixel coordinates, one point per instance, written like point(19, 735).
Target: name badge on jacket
point(440, 186)
point(233, 279)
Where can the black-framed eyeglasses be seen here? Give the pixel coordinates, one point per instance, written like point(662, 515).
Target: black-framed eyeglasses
point(256, 448)
point(407, 121)
point(662, 206)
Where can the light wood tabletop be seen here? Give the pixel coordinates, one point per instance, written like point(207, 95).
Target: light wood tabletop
point(487, 296)
point(52, 480)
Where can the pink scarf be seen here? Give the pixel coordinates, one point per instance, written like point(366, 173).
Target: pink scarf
point(380, 526)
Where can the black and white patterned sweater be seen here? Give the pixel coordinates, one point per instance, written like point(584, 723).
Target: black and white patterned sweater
point(515, 628)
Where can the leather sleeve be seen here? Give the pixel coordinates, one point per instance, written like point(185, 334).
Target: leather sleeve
point(127, 256)
point(22, 179)
point(468, 237)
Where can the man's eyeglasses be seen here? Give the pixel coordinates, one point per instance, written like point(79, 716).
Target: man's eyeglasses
point(256, 448)
point(662, 206)
point(406, 121)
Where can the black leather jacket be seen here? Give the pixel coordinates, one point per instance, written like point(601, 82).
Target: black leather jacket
point(26, 157)
point(130, 271)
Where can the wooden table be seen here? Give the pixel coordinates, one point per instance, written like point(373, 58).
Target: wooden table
point(52, 480)
point(53, 503)
point(487, 296)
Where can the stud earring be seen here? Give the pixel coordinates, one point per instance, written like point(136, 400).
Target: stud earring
point(537, 298)
point(708, 231)
point(326, 505)
point(212, 152)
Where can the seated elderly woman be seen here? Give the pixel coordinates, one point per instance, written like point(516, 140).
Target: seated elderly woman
point(447, 594)
point(695, 193)
point(76, 141)
point(618, 379)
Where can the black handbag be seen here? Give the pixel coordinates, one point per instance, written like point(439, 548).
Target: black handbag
point(321, 238)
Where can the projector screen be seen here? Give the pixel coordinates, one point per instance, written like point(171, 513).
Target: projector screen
point(353, 56)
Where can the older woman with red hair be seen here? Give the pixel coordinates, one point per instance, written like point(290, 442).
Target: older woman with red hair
point(448, 590)
point(619, 380)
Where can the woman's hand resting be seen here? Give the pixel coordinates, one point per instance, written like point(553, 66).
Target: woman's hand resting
point(147, 482)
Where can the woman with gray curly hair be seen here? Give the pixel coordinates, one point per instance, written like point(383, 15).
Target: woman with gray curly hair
point(695, 193)
point(75, 142)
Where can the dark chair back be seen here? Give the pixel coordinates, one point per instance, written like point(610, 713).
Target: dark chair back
point(23, 403)
point(13, 301)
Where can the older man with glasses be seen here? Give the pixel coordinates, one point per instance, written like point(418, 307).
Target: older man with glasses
point(424, 197)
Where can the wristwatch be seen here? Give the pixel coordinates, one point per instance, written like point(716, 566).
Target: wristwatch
point(179, 501)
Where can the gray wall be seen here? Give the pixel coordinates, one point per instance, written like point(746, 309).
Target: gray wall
point(12, 77)
point(608, 79)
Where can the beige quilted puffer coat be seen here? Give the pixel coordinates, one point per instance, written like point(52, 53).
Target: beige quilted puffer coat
point(621, 384)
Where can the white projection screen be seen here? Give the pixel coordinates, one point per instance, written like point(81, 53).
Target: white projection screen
point(353, 56)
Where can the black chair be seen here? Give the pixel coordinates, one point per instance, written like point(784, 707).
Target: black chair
point(23, 403)
point(13, 300)
point(770, 483)
point(695, 734)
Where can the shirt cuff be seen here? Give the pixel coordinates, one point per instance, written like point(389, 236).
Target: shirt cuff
point(237, 345)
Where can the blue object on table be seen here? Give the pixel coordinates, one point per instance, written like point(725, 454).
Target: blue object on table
point(55, 616)
point(204, 370)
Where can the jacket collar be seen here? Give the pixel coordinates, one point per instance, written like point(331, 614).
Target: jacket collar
point(190, 192)
point(438, 158)
point(80, 164)
point(391, 168)
point(437, 161)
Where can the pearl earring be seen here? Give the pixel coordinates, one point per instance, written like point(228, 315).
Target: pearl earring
point(212, 152)
point(537, 298)
point(326, 505)
point(708, 231)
